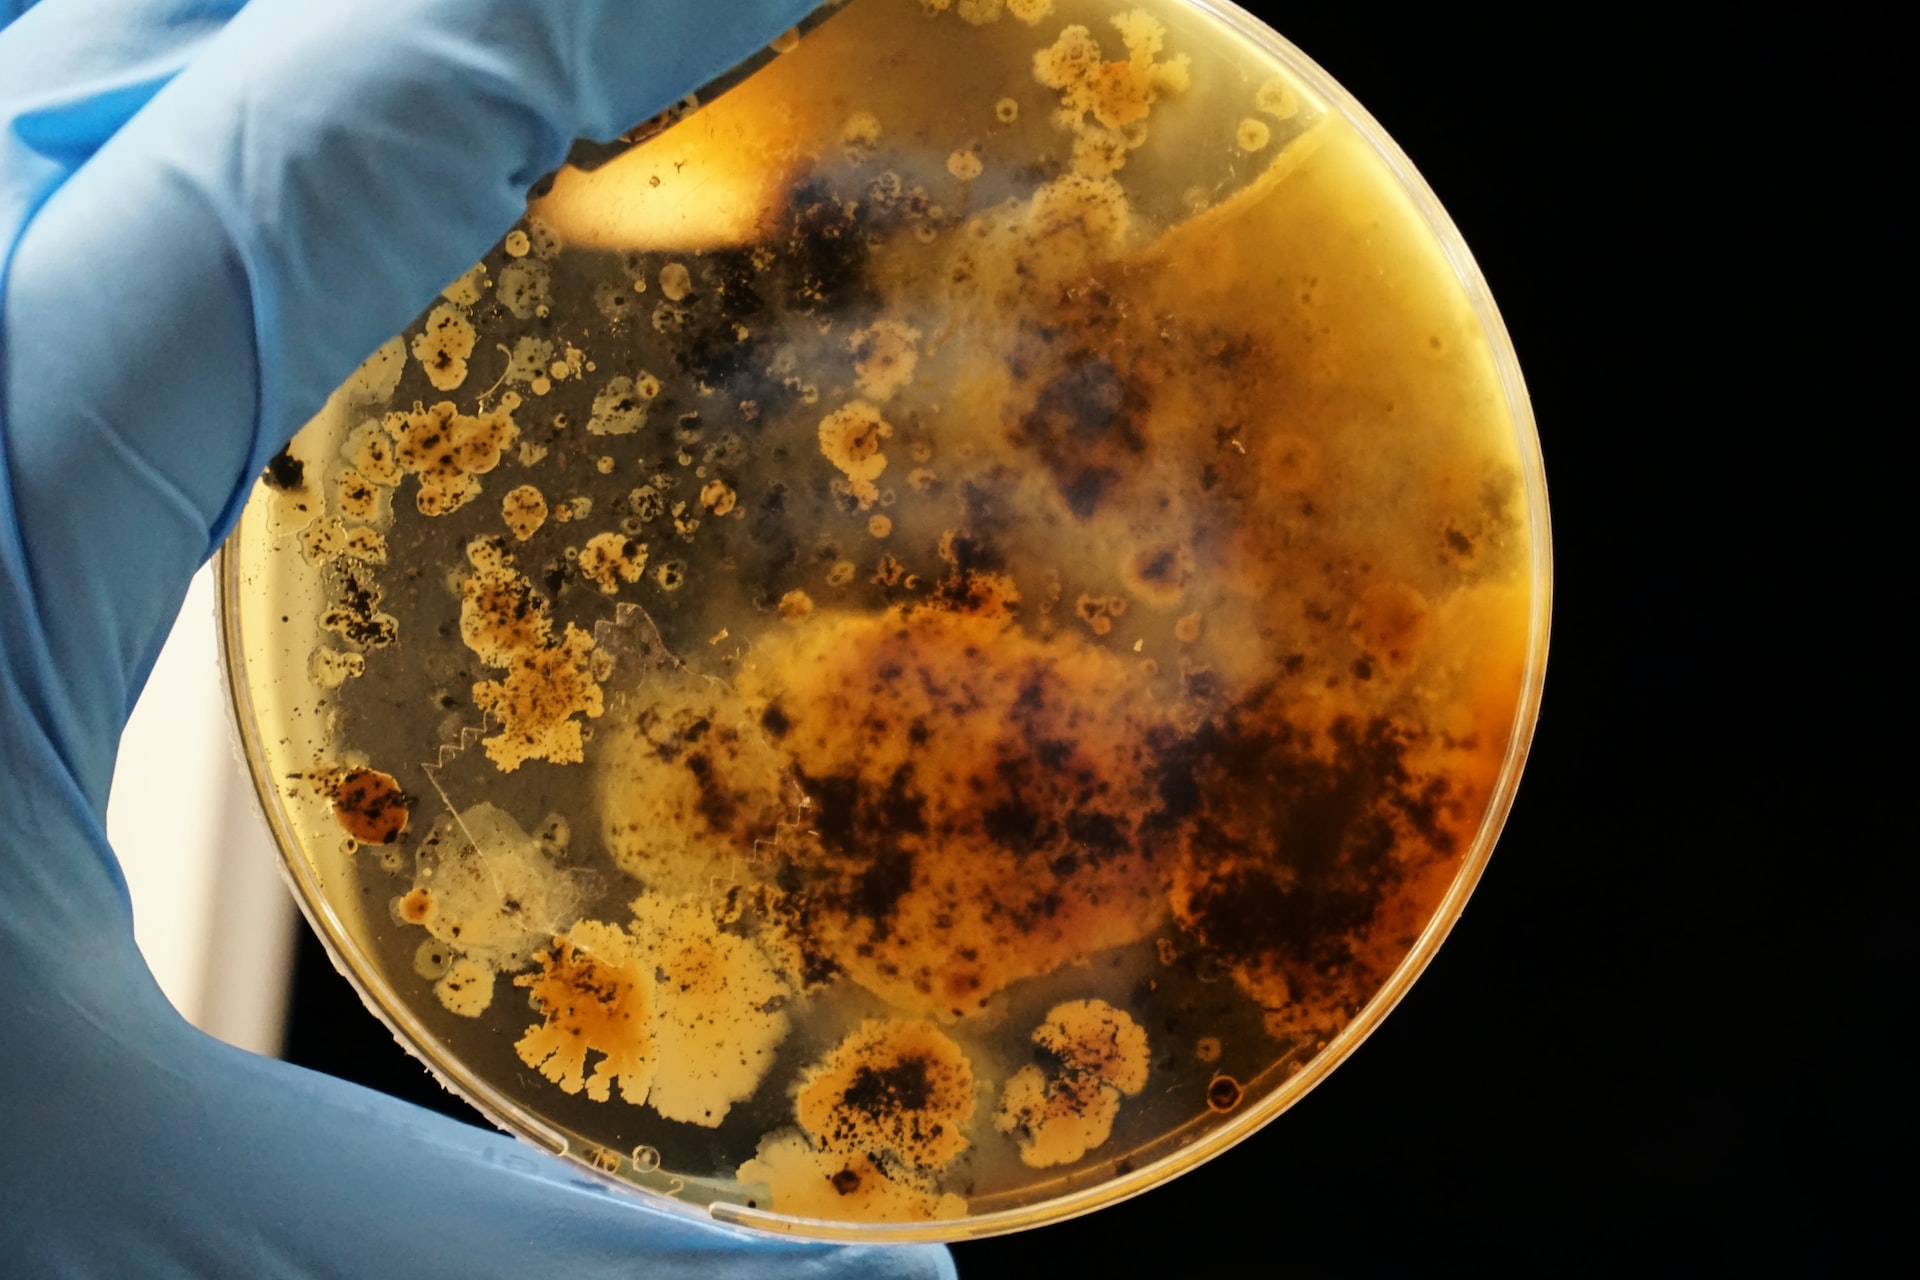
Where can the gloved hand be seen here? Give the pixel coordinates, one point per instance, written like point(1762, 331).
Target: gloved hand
point(210, 211)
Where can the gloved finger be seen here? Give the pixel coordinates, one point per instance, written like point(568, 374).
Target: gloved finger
point(71, 75)
point(289, 200)
point(76, 72)
point(184, 1157)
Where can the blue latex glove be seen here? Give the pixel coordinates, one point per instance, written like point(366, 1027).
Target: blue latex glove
point(209, 212)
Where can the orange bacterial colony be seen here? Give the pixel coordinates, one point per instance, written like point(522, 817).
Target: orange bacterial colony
point(914, 649)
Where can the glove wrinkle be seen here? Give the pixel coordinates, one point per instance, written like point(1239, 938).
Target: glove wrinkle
point(82, 68)
point(58, 879)
point(68, 132)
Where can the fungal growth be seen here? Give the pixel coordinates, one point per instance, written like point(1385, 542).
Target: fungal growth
point(595, 989)
point(449, 451)
point(889, 656)
point(880, 1119)
point(1092, 1055)
point(549, 679)
point(370, 805)
point(976, 798)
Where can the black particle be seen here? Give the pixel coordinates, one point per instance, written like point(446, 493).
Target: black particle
point(285, 472)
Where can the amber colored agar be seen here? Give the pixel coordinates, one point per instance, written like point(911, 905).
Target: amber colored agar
point(926, 648)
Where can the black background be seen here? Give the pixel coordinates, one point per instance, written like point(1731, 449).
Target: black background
point(1662, 1035)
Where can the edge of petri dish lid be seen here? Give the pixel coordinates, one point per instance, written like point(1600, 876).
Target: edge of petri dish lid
point(588, 154)
point(514, 1119)
point(347, 957)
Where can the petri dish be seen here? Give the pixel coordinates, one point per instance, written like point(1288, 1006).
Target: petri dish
point(931, 640)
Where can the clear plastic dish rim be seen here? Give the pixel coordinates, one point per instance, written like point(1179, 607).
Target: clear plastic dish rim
point(509, 1116)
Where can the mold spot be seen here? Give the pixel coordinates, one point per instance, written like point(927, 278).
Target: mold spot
point(466, 988)
point(449, 451)
point(851, 438)
point(525, 288)
point(468, 287)
point(415, 906)
point(355, 614)
point(939, 751)
point(893, 1088)
point(284, 472)
point(860, 1188)
point(1277, 98)
point(548, 680)
point(860, 135)
point(1092, 1054)
point(486, 890)
point(431, 959)
point(676, 283)
point(885, 355)
point(595, 991)
point(718, 1020)
point(687, 784)
point(609, 559)
point(443, 345)
point(1285, 885)
point(1159, 573)
point(524, 509)
point(331, 668)
point(1082, 427)
point(618, 409)
point(370, 806)
point(718, 497)
point(378, 374)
